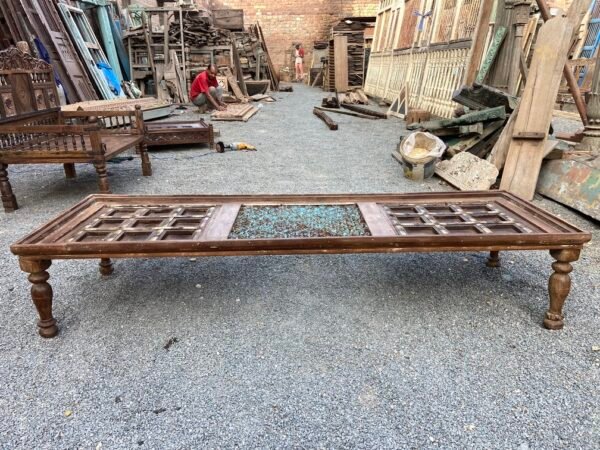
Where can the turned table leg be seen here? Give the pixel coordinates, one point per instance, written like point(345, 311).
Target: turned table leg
point(41, 294)
point(559, 286)
point(146, 166)
point(70, 170)
point(102, 177)
point(493, 260)
point(106, 266)
point(8, 199)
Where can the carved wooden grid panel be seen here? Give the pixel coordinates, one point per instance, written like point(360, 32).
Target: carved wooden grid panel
point(409, 24)
point(415, 78)
point(459, 219)
point(373, 72)
point(139, 223)
point(443, 75)
point(445, 21)
point(467, 19)
point(401, 66)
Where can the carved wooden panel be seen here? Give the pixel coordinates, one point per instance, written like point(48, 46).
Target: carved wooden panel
point(456, 219)
point(26, 84)
point(138, 223)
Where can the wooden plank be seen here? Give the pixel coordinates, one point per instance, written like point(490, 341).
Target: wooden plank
point(490, 57)
point(233, 84)
point(340, 49)
point(377, 219)
point(525, 156)
point(221, 223)
point(366, 111)
point(347, 113)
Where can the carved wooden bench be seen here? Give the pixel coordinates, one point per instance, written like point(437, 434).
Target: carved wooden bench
point(111, 226)
point(69, 137)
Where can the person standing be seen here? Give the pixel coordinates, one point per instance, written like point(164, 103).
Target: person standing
point(299, 62)
point(205, 90)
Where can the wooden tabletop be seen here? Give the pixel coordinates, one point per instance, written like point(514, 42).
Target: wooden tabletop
point(120, 226)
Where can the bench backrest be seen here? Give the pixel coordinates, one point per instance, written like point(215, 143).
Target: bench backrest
point(26, 84)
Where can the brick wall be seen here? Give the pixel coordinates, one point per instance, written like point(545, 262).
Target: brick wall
point(287, 21)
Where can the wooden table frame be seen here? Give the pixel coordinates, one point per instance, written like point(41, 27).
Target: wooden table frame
point(113, 226)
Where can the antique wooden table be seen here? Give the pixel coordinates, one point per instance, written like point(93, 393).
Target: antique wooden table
point(115, 226)
point(161, 134)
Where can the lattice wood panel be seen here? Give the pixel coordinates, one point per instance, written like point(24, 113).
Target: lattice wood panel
point(467, 19)
point(373, 72)
point(445, 21)
point(483, 218)
point(401, 65)
point(415, 78)
point(409, 24)
point(444, 73)
point(139, 223)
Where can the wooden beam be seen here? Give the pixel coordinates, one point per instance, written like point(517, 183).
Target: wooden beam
point(347, 113)
point(579, 6)
point(331, 124)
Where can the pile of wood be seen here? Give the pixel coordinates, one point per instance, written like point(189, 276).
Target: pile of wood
point(346, 59)
point(166, 58)
point(478, 130)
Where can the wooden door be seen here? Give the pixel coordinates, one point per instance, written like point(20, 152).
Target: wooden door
point(43, 16)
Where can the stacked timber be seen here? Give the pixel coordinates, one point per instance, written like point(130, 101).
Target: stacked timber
point(346, 65)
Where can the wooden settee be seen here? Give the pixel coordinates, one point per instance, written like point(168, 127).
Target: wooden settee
point(69, 138)
point(33, 130)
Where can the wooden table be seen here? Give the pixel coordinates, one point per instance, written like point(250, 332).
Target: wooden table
point(161, 134)
point(113, 226)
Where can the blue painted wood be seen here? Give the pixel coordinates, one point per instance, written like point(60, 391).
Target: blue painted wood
point(592, 40)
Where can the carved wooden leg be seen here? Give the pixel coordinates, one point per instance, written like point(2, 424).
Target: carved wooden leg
point(146, 166)
point(559, 286)
point(41, 294)
point(8, 199)
point(102, 177)
point(106, 266)
point(493, 260)
point(70, 170)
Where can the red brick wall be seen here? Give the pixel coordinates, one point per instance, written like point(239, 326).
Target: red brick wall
point(287, 21)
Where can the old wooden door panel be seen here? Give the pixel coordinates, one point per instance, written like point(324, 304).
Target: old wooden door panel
point(43, 16)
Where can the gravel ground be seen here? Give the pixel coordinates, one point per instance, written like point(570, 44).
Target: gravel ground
point(351, 351)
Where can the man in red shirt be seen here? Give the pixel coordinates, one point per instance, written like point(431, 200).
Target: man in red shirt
point(205, 90)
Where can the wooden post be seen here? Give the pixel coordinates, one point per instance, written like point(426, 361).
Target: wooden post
point(479, 39)
point(521, 15)
point(591, 134)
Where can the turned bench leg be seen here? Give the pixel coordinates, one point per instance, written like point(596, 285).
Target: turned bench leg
point(102, 177)
point(70, 170)
point(8, 199)
point(41, 294)
point(493, 260)
point(559, 286)
point(106, 267)
point(142, 149)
